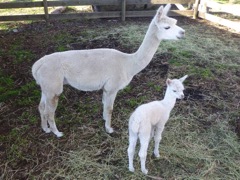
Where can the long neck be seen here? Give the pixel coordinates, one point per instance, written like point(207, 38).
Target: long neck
point(146, 51)
point(169, 100)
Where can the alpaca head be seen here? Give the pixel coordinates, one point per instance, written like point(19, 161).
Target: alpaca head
point(167, 28)
point(175, 87)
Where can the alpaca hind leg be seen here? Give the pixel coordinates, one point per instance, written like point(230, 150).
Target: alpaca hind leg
point(131, 149)
point(50, 109)
point(157, 139)
point(144, 141)
point(108, 101)
point(41, 109)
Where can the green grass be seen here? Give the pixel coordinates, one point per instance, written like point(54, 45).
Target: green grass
point(10, 90)
point(199, 141)
point(16, 53)
point(201, 72)
point(7, 88)
point(209, 152)
point(17, 143)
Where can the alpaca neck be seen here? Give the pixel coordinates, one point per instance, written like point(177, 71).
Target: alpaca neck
point(146, 51)
point(169, 100)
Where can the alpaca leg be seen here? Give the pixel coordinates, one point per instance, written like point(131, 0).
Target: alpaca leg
point(50, 109)
point(157, 139)
point(108, 101)
point(131, 149)
point(144, 141)
point(41, 109)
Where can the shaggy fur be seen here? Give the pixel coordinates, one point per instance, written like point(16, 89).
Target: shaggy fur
point(95, 69)
point(149, 120)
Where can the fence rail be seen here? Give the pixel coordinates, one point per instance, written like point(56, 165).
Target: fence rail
point(108, 14)
point(88, 2)
point(203, 12)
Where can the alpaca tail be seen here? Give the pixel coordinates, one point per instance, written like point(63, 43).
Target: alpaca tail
point(36, 66)
point(134, 123)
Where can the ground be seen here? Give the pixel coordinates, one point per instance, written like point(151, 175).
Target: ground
point(201, 139)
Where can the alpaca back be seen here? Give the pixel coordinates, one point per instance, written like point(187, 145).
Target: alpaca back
point(85, 70)
point(148, 114)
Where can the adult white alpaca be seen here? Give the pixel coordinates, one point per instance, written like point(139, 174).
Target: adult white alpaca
point(95, 69)
point(149, 120)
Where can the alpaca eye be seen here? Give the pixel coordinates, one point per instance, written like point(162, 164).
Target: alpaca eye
point(174, 91)
point(168, 27)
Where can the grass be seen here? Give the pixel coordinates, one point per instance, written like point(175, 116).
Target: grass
point(200, 140)
point(211, 156)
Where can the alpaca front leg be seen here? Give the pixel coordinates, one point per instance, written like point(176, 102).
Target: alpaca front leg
point(131, 149)
point(108, 101)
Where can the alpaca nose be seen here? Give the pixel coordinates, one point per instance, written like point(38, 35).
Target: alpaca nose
point(182, 32)
point(182, 96)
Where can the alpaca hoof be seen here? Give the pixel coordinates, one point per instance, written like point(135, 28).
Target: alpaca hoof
point(47, 130)
point(59, 134)
point(109, 130)
point(131, 169)
point(144, 171)
point(157, 155)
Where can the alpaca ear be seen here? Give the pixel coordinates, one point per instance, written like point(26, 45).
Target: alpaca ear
point(166, 9)
point(159, 14)
point(183, 78)
point(168, 82)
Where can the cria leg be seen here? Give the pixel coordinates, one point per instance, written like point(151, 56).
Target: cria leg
point(144, 141)
point(41, 108)
point(157, 139)
point(131, 148)
point(108, 100)
point(51, 105)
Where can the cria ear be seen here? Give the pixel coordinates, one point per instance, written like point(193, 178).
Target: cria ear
point(168, 82)
point(166, 9)
point(183, 78)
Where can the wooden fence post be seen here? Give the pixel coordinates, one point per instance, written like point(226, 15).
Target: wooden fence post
point(46, 10)
point(123, 15)
point(195, 11)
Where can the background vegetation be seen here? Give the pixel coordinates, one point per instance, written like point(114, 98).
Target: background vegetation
point(201, 140)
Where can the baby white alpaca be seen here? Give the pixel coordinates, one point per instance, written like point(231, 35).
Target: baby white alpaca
point(148, 120)
point(94, 69)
